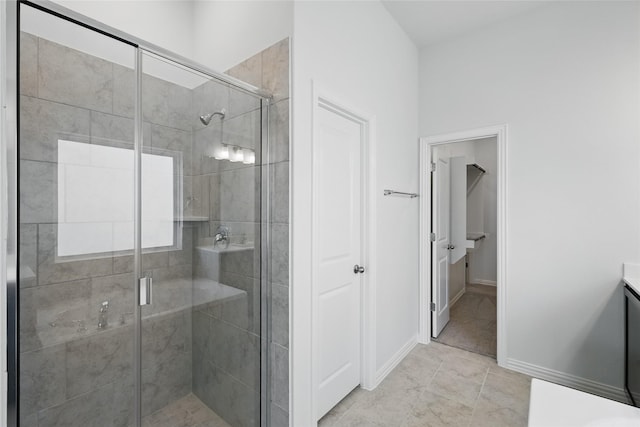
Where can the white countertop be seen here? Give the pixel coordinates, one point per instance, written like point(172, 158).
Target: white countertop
point(553, 405)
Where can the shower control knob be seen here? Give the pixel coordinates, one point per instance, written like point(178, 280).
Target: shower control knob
point(358, 269)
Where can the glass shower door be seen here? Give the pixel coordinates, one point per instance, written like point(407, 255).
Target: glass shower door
point(76, 190)
point(200, 232)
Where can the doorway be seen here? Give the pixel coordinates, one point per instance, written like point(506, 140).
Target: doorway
point(463, 228)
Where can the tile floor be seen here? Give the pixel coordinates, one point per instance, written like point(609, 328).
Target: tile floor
point(472, 323)
point(438, 385)
point(186, 412)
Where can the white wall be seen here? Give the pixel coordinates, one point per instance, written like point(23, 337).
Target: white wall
point(218, 34)
point(166, 23)
point(357, 51)
point(228, 32)
point(565, 78)
point(482, 214)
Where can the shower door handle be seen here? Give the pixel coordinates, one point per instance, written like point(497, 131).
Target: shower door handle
point(146, 289)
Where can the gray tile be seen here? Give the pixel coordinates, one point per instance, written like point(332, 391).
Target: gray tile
point(280, 314)
point(165, 103)
point(94, 409)
point(280, 376)
point(456, 388)
point(387, 405)
point(436, 411)
point(275, 70)
point(173, 141)
point(239, 195)
point(280, 253)
point(240, 262)
point(278, 132)
point(206, 141)
point(460, 367)
point(237, 352)
point(506, 392)
point(54, 314)
point(72, 77)
point(249, 71)
point(333, 417)
point(242, 311)
point(29, 324)
point(28, 64)
point(28, 255)
point(123, 91)
point(237, 404)
point(242, 102)
point(107, 129)
point(99, 359)
point(38, 192)
point(150, 261)
point(166, 337)
point(28, 420)
point(43, 123)
point(243, 131)
point(42, 378)
point(279, 417)
point(166, 382)
point(280, 192)
point(53, 270)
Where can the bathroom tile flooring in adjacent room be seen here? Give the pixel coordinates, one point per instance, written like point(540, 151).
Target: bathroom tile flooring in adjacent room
point(472, 324)
point(438, 385)
point(186, 412)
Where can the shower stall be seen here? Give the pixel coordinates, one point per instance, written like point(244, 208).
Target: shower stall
point(141, 296)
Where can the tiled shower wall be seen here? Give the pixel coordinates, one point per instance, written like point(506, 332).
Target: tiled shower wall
point(269, 70)
point(72, 372)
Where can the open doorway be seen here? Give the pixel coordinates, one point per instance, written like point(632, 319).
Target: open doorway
point(465, 256)
point(463, 267)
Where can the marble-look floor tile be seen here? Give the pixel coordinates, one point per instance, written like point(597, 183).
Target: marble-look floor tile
point(434, 410)
point(456, 388)
point(453, 398)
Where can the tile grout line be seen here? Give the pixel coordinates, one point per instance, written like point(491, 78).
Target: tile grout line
point(475, 406)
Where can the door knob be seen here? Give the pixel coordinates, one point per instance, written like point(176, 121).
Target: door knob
point(451, 247)
point(358, 269)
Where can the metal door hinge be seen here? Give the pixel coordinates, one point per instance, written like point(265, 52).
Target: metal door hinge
point(433, 167)
point(433, 306)
point(432, 236)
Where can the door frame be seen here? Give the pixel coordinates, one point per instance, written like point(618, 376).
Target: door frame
point(328, 100)
point(426, 145)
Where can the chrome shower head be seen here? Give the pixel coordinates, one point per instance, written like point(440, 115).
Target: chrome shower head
point(206, 118)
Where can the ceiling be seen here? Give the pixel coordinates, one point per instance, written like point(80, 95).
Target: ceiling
point(428, 22)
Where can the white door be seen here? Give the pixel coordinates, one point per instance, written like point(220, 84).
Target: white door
point(440, 196)
point(458, 214)
point(337, 249)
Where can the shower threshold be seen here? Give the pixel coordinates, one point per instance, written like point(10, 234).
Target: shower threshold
point(188, 411)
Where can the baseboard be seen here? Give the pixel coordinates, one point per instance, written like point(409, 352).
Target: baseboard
point(568, 380)
point(386, 369)
point(457, 297)
point(483, 282)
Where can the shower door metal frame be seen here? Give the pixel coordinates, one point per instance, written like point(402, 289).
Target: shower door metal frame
point(9, 137)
